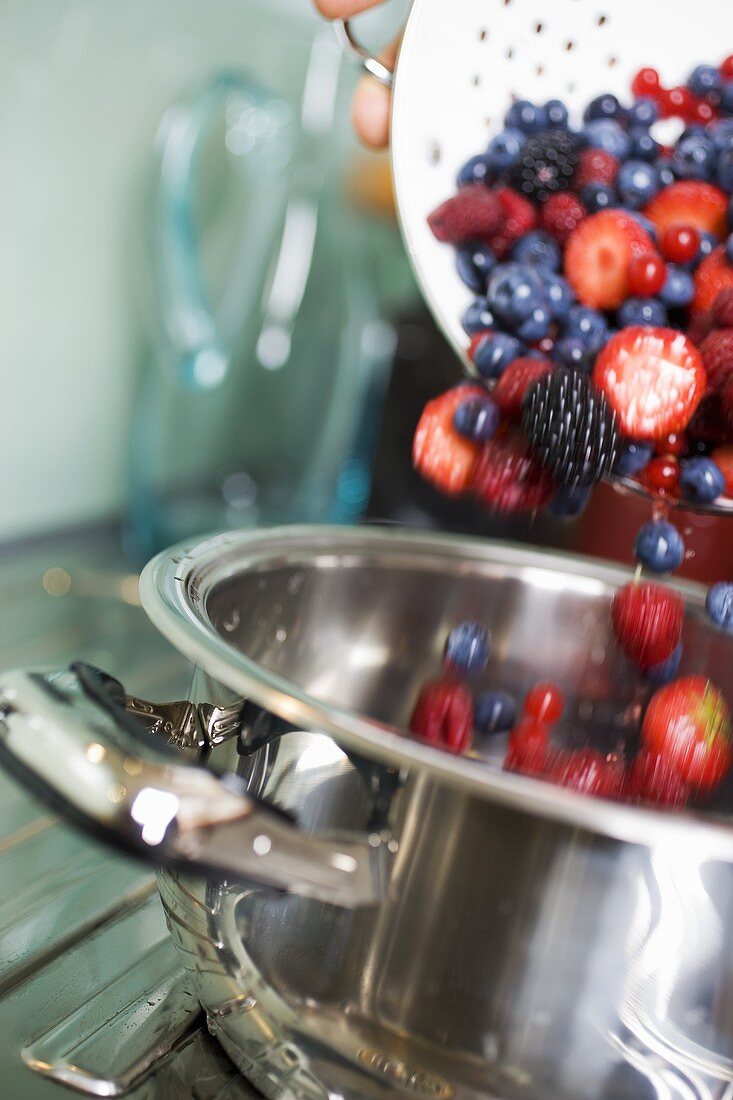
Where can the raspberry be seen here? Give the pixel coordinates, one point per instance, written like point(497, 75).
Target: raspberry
point(519, 218)
point(721, 314)
point(596, 166)
point(508, 479)
point(716, 351)
point(443, 715)
point(561, 215)
point(709, 424)
point(514, 383)
point(471, 214)
point(726, 403)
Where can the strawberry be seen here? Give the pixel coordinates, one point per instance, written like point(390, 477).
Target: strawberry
point(514, 383)
point(528, 748)
point(688, 724)
point(712, 276)
point(508, 479)
point(598, 255)
point(519, 217)
point(653, 780)
point(716, 352)
point(587, 772)
point(653, 378)
point(595, 166)
point(474, 213)
point(690, 202)
point(723, 458)
point(722, 309)
point(443, 715)
point(647, 621)
point(562, 214)
point(439, 453)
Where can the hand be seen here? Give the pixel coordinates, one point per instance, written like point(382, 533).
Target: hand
point(372, 102)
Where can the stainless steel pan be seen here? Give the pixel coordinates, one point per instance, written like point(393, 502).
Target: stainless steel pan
point(366, 916)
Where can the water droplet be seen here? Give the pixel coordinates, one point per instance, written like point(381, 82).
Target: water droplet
point(295, 583)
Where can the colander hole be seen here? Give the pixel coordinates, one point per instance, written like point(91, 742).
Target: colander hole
point(510, 53)
point(540, 70)
point(612, 61)
point(571, 86)
point(569, 45)
point(483, 35)
point(476, 80)
point(602, 20)
point(434, 153)
point(539, 27)
point(507, 3)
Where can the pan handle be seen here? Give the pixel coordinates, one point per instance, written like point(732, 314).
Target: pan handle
point(68, 738)
point(370, 64)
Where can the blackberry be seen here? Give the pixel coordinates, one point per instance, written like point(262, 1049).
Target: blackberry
point(546, 165)
point(570, 427)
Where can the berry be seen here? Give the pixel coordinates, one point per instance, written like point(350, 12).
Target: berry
point(473, 212)
point(678, 289)
point(603, 106)
point(474, 263)
point(443, 715)
point(537, 326)
point(571, 352)
point(633, 458)
point(504, 149)
point(492, 352)
point(606, 134)
point(539, 250)
point(646, 83)
point(724, 170)
point(637, 183)
point(647, 621)
point(440, 455)
point(659, 547)
point(647, 274)
point(674, 444)
point(722, 309)
point(528, 748)
point(688, 202)
point(586, 772)
point(544, 703)
point(570, 428)
point(726, 404)
point(694, 157)
point(726, 68)
point(701, 480)
point(508, 479)
point(688, 725)
point(475, 170)
point(513, 385)
point(713, 275)
point(729, 249)
point(587, 325)
point(643, 113)
point(569, 502)
point(519, 218)
point(561, 215)
point(664, 168)
point(514, 292)
point(705, 82)
point(709, 423)
point(642, 311)
point(654, 379)
point(719, 604)
point(645, 147)
point(723, 458)
point(477, 418)
point(677, 102)
point(557, 114)
point(478, 318)
point(596, 166)
point(599, 196)
point(662, 476)
point(495, 712)
point(716, 352)
point(680, 244)
point(467, 648)
point(558, 295)
point(666, 670)
point(708, 243)
point(653, 781)
point(526, 117)
point(598, 256)
point(546, 165)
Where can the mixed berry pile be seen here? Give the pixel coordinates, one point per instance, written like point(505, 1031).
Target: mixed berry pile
point(601, 333)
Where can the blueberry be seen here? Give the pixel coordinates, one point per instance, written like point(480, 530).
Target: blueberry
point(475, 170)
point(646, 224)
point(475, 263)
point(724, 169)
point(607, 134)
point(571, 352)
point(467, 647)
point(477, 418)
point(478, 317)
point(664, 169)
point(633, 458)
point(598, 196)
point(643, 112)
point(525, 116)
point(604, 106)
point(637, 183)
point(558, 295)
point(504, 149)
point(701, 480)
point(570, 501)
point(642, 311)
point(730, 213)
point(587, 325)
point(659, 547)
point(694, 157)
point(705, 82)
point(678, 289)
point(719, 604)
point(665, 670)
point(495, 352)
point(722, 133)
point(514, 292)
point(538, 249)
point(557, 114)
point(726, 98)
point(537, 325)
point(708, 241)
point(494, 712)
point(643, 145)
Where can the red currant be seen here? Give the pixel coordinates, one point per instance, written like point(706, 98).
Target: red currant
point(702, 112)
point(677, 101)
point(528, 747)
point(545, 345)
point(544, 703)
point(726, 68)
point(674, 444)
point(646, 82)
point(661, 475)
point(680, 243)
point(646, 275)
